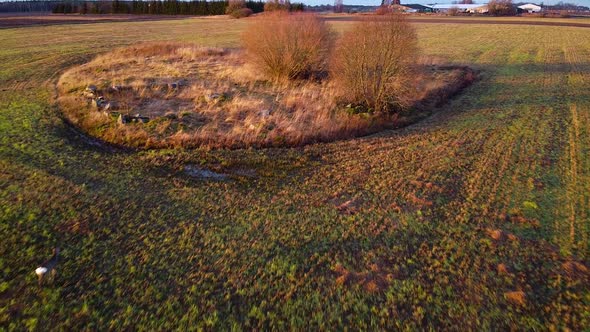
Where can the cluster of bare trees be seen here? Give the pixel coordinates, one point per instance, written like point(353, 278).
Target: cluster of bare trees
point(501, 8)
point(27, 6)
point(371, 64)
point(152, 7)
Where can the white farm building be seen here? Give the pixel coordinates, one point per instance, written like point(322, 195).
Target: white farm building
point(464, 8)
point(530, 8)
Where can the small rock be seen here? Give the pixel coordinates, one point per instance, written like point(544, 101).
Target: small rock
point(171, 116)
point(100, 101)
point(139, 118)
point(212, 97)
point(123, 119)
point(115, 88)
point(173, 86)
point(91, 88)
point(198, 172)
point(265, 113)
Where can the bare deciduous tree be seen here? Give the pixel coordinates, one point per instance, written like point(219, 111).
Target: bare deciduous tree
point(373, 62)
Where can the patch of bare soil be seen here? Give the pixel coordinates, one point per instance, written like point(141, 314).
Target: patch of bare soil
point(169, 95)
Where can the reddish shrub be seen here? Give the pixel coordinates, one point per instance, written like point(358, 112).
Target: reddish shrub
point(276, 5)
point(288, 46)
point(373, 62)
point(241, 13)
point(234, 5)
point(501, 8)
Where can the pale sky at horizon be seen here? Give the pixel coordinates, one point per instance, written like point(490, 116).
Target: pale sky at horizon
point(378, 2)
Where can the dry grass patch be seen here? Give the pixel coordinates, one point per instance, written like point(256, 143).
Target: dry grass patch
point(171, 94)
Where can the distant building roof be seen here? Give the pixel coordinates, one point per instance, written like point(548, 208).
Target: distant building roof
point(417, 6)
point(458, 5)
point(529, 5)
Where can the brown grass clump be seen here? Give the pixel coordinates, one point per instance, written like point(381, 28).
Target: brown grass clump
point(373, 281)
point(576, 270)
point(495, 234)
point(373, 63)
point(502, 269)
point(288, 46)
point(516, 297)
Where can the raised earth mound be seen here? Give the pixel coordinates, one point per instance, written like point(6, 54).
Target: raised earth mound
point(170, 95)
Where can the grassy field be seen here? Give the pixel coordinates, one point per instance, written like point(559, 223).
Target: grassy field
point(476, 218)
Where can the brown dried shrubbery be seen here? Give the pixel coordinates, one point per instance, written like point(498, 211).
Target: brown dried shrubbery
point(238, 9)
point(374, 62)
point(288, 46)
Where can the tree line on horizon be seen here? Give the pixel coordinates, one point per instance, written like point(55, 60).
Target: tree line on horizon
point(152, 7)
point(137, 7)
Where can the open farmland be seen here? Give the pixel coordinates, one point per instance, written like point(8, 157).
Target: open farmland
point(475, 218)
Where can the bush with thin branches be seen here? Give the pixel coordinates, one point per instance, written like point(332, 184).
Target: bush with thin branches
point(501, 8)
point(453, 11)
point(277, 5)
point(241, 13)
point(383, 10)
point(288, 46)
point(234, 5)
point(373, 63)
point(238, 9)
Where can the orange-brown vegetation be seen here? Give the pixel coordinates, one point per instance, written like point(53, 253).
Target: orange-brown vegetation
point(287, 46)
point(576, 270)
point(199, 96)
point(516, 297)
point(274, 93)
point(495, 234)
point(276, 5)
point(374, 63)
point(502, 269)
point(373, 280)
point(237, 9)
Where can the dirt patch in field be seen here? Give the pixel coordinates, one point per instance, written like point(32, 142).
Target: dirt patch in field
point(170, 95)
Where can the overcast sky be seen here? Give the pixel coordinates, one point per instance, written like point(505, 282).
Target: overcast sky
point(378, 2)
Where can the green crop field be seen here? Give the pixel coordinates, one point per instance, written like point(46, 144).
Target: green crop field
point(476, 218)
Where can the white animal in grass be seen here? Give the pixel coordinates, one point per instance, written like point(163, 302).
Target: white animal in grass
point(48, 267)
